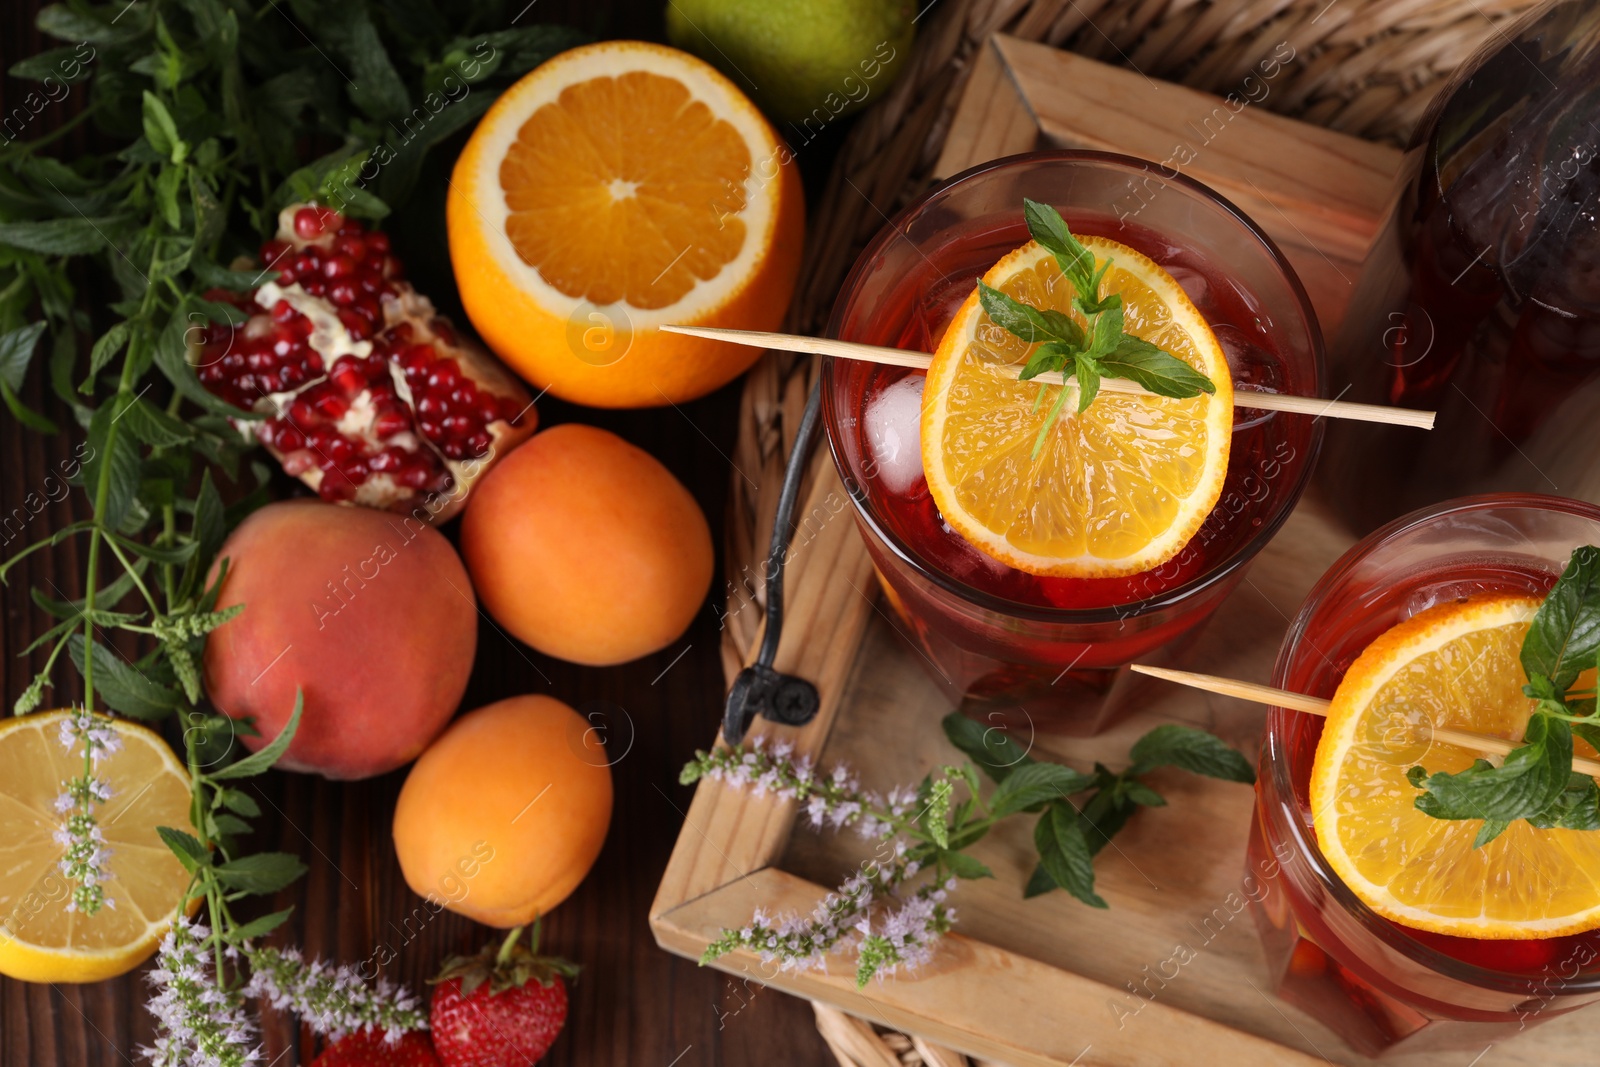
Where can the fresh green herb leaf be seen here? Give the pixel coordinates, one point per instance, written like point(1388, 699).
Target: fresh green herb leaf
point(190, 852)
point(262, 761)
point(1064, 853)
point(1031, 324)
point(123, 686)
point(1154, 370)
point(1531, 780)
point(989, 747)
point(1564, 637)
point(1031, 786)
point(260, 872)
point(1196, 751)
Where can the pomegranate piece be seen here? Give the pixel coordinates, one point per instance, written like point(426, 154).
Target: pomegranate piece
point(370, 397)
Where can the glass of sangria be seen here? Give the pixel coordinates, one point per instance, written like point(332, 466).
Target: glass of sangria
point(1380, 985)
point(1051, 653)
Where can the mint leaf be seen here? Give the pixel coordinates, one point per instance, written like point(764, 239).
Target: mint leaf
point(261, 872)
point(190, 852)
point(1564, 637)
point(1532, 779)
point(258, 762)
point(1064, 852)
point(1053, 355)
point(1046, 226)
point(1088, 372)
point(122, 686)
point(989, 747)
point(1025, 321)
point(258, 927)
point(1191, 749)
point(1036, 784)
point(1154, 369)
point(1577, 808)
point(963, 866)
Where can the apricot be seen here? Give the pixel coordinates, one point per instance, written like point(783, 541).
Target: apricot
point(370, 614)
point(504, 814)
point(587, 548)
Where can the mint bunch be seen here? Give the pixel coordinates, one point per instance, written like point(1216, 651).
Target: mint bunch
point(1536, 781)
point(1099, 349)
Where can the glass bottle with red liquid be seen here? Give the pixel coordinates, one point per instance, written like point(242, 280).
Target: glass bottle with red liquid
point(1051, 652)
point(1481, 296)
point(1382, 986)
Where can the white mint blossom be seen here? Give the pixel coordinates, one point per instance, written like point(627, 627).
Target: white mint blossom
point(198, 1023)
point(891, 924)
point(84, 853)
point(331, 1000)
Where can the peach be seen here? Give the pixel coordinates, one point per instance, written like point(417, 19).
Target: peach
point(586, 547)
point(370, 615)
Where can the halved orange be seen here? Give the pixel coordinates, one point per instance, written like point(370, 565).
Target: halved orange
point(1457, 665)
point(615, 188)
point(40, 940)
point(1117, 489)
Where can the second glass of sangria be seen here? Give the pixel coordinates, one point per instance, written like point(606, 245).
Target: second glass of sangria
point(1044, 650)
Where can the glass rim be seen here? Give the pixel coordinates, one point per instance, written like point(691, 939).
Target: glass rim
point(894, 229)
point(1278, 764)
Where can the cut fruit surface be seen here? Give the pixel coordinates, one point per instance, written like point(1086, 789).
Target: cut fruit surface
point(618, 187)
point(1117, 489)
point(1457, 665)
point(40, 940)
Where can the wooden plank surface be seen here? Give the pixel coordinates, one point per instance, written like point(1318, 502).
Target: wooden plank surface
point(1050, 981)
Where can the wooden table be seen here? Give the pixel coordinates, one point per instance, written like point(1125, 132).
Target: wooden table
point(634, 1003)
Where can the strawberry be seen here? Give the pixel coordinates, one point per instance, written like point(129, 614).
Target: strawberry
point(503, 1007)
point(367, 1048)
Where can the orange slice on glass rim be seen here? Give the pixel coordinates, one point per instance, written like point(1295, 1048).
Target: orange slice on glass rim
point(1456, 664)
point(1117, 489)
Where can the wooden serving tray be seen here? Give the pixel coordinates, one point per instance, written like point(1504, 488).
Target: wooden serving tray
point(1050, 981)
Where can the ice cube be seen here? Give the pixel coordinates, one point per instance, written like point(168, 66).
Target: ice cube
point(894, 429)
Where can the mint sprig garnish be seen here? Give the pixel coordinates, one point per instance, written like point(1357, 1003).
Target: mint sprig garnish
point(893, 908)
point(1536, 782)
point(1100, 347)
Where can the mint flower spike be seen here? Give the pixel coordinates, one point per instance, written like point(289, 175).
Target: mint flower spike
point(1100, 348)
point(84, 853)
point(198, 1022)
point(332, 1000)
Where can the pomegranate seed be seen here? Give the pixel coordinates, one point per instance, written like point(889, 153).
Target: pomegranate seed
point(269, 381)
point(272, 250)
point(369, 308)
point(301, 413)
point(415, 475)
point(335, 487)
point(315, 286)
point(349, 226)
point(356, 325)
point(308, 223)
point(428, 404)
point(283, 312)
point(343, 293)
point(389, 423)
point(331, 405)
point(464, 395)
point(378, 242)
point(429, 428)
point(443, 374)
point(305, 262)
point(350, 244)
point(292, 375)
point(313, 361)
point(488, 410)
point(337, 266)
point(258, 359)
point(444, 330)
point(302, 326)
point(457, 425)
point(401, 333)
point(478, 444)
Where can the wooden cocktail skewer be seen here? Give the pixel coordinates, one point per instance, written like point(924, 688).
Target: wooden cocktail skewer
point(905, 357)
point(1266, 694)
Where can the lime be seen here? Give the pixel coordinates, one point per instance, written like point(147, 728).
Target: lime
point(805, 62)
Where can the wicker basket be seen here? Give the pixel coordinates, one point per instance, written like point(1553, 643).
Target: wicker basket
point(1364, 67)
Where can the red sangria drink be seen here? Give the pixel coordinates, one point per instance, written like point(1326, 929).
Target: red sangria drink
point(1047, 650)
point(1381, 983)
